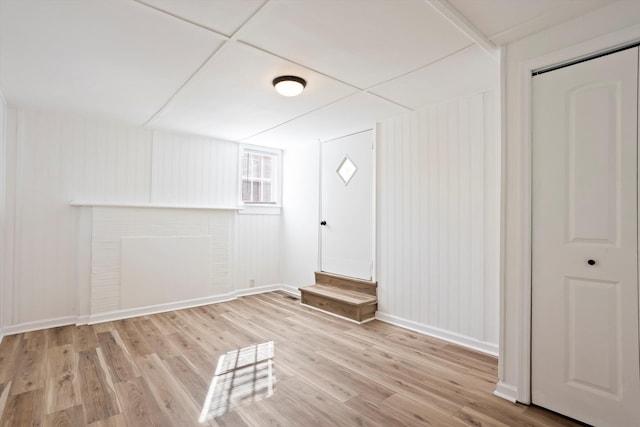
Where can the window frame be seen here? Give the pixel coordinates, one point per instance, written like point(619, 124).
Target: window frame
point(276, 180)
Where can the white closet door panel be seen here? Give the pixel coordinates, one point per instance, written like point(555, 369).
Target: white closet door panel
point(585, 353)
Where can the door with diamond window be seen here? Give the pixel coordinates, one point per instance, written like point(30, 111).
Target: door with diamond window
point(347, 188)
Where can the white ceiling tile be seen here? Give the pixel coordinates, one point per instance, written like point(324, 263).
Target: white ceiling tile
point(504, 21)
point(468, 71)
point(116, 59)
point(123, 60)
point(219, 15)
point(233, 97)
point(353, 114)
point(362, 42)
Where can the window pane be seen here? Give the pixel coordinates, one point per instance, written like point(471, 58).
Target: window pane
point(246, 191)
point(256, 169)
point(267, 167)
point(256, 192)
point(258, 178)
point(266, 192)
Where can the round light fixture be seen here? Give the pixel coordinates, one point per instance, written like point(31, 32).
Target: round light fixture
point(289, 85)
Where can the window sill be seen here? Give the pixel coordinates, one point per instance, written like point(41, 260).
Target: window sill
point(259, 209)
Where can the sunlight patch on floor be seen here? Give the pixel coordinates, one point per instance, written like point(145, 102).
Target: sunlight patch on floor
point(242, 376)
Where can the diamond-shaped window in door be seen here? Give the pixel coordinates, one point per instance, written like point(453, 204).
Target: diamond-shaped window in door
point(346, 170)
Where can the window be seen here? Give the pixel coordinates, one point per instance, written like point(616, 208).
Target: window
point(260, 173)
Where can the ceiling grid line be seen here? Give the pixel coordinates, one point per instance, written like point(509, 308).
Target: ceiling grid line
point(206, 67)
point(188, 21)
point(216, 52)
point(295, 118)
point(306, 67)
point(422, 67)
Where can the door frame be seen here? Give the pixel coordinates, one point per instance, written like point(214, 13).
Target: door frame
point(586, 50)
point(374, 185)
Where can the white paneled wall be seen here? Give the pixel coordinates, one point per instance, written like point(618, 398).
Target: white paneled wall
point(44, 270)
point(437, 213)
point(111, 163)
point(3, 216)
point(59, 263)
point(258, 238)
point(192, 170)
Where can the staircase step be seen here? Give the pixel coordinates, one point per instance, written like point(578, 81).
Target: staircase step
point(344, 295)
point(348, 303)
point(344, 282)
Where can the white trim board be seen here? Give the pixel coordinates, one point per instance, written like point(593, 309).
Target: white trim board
point(506, 392)
point(452, 337)
point(140, 311)
point(586, 49)
point(39, 324)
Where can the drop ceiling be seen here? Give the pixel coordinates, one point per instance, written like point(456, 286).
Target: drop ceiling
point(205, 67)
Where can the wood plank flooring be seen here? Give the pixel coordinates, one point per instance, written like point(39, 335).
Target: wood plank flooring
point(158, 371)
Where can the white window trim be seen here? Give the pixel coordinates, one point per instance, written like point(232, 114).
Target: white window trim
point(261, 208)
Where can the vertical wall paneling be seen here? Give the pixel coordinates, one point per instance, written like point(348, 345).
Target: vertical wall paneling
point(193, 170)
point(3, 216)
point(58, 262)
point(491, 285)
point(438, 220)
point(8, 299)
point(382, 204)
point(429, 119)
point(259, 246)
point(44, 258)
point(415, 216)
point(112, 163)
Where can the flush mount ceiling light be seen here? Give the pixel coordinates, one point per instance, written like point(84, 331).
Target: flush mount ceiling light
point(289, 85)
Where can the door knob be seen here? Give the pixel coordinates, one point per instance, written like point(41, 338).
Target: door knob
point(591, 262)
point(323, 223)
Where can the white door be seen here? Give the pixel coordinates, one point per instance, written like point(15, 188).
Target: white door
point(347, 206)
point(585, 355)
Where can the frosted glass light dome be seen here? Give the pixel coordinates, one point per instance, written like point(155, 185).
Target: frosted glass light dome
point(289, 85)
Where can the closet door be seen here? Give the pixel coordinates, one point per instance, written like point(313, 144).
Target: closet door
point(585, 353)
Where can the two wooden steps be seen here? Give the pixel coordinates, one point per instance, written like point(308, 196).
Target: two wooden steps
point(354, 299)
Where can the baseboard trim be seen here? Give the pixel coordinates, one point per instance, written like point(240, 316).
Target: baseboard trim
point(159, 308)
point(83, 320)
point(290, 289)
point(139, 311)
point(506, 391)
point(462, 340)
point(39, 324)
point(258, 290)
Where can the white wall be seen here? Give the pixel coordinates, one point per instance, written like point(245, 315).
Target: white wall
point(3, 223)
point(258, 249)
point(55, 158)
point(193, 170)
point(603, 28)
point(438, 206)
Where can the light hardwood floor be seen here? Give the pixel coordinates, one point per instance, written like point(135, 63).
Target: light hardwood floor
point(157, 370)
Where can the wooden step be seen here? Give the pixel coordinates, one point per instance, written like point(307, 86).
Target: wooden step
point(344, 282)
point(348, 303)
